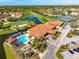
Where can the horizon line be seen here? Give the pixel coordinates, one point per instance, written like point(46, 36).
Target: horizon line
point(35, 5)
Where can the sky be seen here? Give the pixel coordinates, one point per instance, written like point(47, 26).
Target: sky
point(38, 2)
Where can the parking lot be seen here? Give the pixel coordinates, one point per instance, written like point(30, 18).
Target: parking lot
point(73, 45)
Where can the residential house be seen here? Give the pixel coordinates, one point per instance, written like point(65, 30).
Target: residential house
point(10, 40)
point(74, 13)
point(16, 14)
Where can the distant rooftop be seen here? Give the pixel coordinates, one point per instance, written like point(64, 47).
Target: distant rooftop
point(55, 23)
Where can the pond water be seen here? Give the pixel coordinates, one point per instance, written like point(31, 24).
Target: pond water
point(36, 20)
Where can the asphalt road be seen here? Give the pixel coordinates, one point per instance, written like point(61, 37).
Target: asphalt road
point(49, 54)
point(62, 37)
point(52, 49)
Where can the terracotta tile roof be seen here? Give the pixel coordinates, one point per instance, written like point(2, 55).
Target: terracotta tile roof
point(18, 14)
point(38, 31)
point(48, 26)
point(55, 23)
point(42, 29)
point(52, 31)
point(11, 40)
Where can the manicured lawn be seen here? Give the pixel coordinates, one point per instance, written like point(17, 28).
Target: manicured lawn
point(4, 50)
point(42, 19)
point(53, 19)
point(35, 57)
point(72, 33)
point(8, 52)
point(30, 13)
point(69, 35)
point(6, 31)
point(59, 55)
point(19, 22)
point(61, 49)
point(3, 37)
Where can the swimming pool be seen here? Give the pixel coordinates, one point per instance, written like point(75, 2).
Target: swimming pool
point(23, 39)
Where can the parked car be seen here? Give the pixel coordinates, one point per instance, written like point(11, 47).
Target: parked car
point(71, 51)
point(73, 42)
point(78, 48)
point(75, 49)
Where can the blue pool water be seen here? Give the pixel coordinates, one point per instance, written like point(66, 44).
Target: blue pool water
point(23, 39)
point(36, 20)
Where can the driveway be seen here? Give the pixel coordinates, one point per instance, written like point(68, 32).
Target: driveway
point(49, 53)
point(62, 37)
